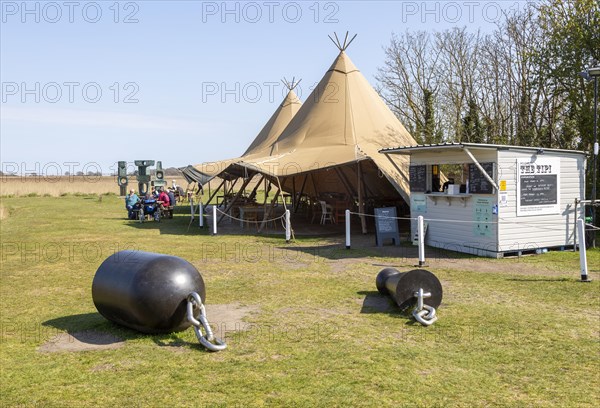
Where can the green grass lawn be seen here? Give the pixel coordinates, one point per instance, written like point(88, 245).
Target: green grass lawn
point(505, 337)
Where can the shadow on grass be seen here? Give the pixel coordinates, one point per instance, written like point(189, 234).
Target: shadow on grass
point(374, 303)
point(174, 343)
point(92, 328)
point(328, 251)
point(405, 254)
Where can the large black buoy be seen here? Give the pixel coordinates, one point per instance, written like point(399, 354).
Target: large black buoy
point(402, 286)
point(146, 291)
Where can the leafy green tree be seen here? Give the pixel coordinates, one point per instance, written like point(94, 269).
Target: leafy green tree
point(472, 130)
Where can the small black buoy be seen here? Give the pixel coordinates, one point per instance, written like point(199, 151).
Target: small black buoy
point(146, 291)
point(401, 286)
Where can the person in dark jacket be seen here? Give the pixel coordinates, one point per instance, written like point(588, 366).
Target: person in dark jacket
point(171, 195)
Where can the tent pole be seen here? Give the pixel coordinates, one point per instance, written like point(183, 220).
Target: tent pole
point(237, 196)
point(232, 186)
point(267, 190)
point(366, 190)
point(253, 193)
point(361, 203)
point(301, 192)
point(211, 196)
point(344, 182)
point(268, 210)
point(293, 192)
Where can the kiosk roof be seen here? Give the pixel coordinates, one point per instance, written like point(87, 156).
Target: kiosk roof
point(472, 146)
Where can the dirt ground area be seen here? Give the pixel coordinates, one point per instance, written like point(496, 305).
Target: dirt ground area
point(222, 317)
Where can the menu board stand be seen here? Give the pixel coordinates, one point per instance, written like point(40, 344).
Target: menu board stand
point(386, 225)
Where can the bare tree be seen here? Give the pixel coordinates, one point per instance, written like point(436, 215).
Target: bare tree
point(409, 81)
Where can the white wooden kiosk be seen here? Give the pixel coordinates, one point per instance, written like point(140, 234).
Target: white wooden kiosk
point(506, 200)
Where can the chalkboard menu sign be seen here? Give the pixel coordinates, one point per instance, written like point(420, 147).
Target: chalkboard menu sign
point(386, 225)
point(538, 189)
point(478, 183)
point(418, 178)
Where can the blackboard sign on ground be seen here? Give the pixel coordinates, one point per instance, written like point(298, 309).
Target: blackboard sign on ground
point(386, 225)
point(478, 183)
point(417, 178)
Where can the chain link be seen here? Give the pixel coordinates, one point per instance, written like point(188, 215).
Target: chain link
point(423, 313)
point(208, 340)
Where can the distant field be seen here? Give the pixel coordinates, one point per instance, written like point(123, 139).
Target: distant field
point(55, 186)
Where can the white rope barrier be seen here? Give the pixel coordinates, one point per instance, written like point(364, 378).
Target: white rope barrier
point(284, 219)
point(250, 221)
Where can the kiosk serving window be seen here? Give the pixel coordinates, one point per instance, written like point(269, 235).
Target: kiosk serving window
point(436, 178)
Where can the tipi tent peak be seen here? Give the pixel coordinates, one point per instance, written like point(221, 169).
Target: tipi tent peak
point(342, 46)
point(291, 85)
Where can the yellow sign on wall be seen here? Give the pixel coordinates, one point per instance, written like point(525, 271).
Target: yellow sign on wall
point(502, 185)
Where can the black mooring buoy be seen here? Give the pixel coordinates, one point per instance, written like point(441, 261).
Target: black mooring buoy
point(402, 286)
point(146, 291)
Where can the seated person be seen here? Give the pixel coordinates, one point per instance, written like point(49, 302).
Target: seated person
point(164, 197)
point(171, 195)
point(150, 206)
point(131, 200)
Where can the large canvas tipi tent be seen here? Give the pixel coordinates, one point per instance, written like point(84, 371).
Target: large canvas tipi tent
point(331, 145)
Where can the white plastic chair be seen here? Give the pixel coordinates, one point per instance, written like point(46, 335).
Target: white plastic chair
point(326, 213)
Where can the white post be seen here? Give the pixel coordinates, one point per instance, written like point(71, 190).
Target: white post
point(288, 227)
point(421, 229)
point(582, 250)
point(214, 219)
point(192, 208)
point(201, 208)
point(347, 229)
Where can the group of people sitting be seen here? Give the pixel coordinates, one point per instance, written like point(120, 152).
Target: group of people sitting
point(164, 198)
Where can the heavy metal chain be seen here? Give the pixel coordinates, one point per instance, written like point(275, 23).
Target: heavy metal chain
point(208, 340)
point(423, 313)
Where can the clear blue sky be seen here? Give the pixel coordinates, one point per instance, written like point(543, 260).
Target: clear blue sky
point(173, 63)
